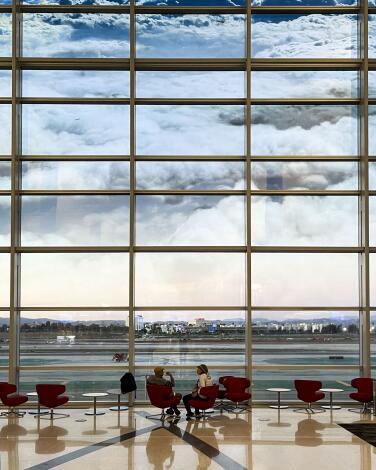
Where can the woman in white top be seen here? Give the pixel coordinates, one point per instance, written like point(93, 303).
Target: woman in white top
point(204, 380)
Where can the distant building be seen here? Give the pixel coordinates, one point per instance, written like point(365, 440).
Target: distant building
point(138, 322)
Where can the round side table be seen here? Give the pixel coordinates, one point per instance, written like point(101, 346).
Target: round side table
point(119, 407)
point(278, 391)
point(38, 411)
point(95, 395)
point(331, 391)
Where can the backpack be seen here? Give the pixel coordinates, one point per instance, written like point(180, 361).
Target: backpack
point(128, 383)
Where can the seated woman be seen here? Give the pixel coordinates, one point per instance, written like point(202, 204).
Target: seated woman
point(157, 379)
point(204, 380)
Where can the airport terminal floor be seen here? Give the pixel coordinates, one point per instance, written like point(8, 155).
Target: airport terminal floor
point(263, 439)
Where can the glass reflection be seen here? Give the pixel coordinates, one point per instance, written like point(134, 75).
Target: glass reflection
point(75, 129)
point(190, 36)
point(190, 220)
point(304, 130)
point(190, 130)
point(315, 35)
point(75, 220)
point(75, 35)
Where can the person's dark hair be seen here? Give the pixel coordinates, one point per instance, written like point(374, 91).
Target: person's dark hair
point(204, 368)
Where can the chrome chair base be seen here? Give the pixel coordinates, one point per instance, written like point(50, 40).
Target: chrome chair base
point(52, 415)
point(12, 413)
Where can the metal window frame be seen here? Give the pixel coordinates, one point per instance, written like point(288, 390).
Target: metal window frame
point(132, 64)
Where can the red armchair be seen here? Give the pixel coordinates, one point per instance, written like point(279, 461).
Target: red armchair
point(210, 393)
point(161, 397)
point(308, 391)
point(51, 396)
point(11, 399)
point(364, 395)
point(237, 393)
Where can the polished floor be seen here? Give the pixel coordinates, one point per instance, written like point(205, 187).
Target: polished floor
point(263, 439)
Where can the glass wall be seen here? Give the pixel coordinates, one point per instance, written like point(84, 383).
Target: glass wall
point(187, 185)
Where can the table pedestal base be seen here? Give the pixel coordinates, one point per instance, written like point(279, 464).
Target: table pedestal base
point(95, 413)
point(278, 407)
point(331, 407)
point(119, 408)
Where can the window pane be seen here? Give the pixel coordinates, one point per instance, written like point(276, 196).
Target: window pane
point(75, 220)
point(4, 341)
point(190, 220)
point(372, 130)
point(5, 83)
point(73, 338)
point(75, 35)
point(309, 279)
point(190, 279)
point(372, 175)
point(5, 128)
point(75, 83)
point(316, 35)
point(372, 221)
point(4, 220)
point(190, 84)
point(190, 36)
point(305, 220)
point(304, 130)
point(75, 175)
point(76, 382)
point(305, 175)
point(74, 279)
point(372, 34)
point(313, 3)
point(4, 279)
point(190, 175)
point(75, 129)
point(185, 338)
point(77, 2)
point(5, 168)
point(304, 84)
point(6, 34)
point(190, 130)
point(331, 378)
point(298, 338)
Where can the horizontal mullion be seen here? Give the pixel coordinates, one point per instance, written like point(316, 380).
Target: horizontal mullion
point(372, 193)
point(305, 309)
point(292, 158)
point(267, 10)
point(186, 309)
point(72, 309)
point(228, 64)
point(185, 192)
point(4, 192)
point(306, 249)
point(54, 100)
point(190, 249)
point(305, 192)
point(305, 101)
point(72, 249)
point(69, 158)
point(289, 64)
point(73, 63)
point(184, 158)
point(190, 101)
point(78, 192)
point(196, 10)
point(119, 367)
point(118, 9)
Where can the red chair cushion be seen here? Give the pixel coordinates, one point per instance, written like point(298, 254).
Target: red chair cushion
point(8, 395)
point(210, 393)
point(161, 396)
point(361, 397)
point(238, 396)
point(50, 395)
point(308, 390)
point(236, 389)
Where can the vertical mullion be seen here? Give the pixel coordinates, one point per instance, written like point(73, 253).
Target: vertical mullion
point(15, 202)
point(248, 196)
point(365, 348)
point(132, 190)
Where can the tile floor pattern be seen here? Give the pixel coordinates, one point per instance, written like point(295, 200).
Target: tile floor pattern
point(264, 439)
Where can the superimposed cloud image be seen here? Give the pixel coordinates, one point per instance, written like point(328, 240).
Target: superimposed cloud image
point(318, 3)
point(75, 129)
point(188, 279)
point(75, 35)
point(75, 220)
point(190, 36)
point(312, 35)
